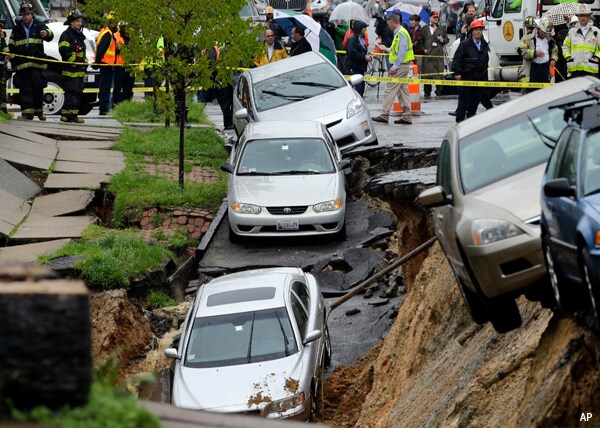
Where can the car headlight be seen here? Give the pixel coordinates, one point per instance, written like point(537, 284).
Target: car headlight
point(281, 406)
point(327, 206)
point(238, 207)
point(488, 231)
point(354, 107)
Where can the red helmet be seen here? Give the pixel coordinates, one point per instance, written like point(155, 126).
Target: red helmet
point(478, 23)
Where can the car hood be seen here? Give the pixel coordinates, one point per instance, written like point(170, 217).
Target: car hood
point(284, 190)
point(327, 108)
point(519, 194)
point(238, 388)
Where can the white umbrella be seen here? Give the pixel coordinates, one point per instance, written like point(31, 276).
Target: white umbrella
point(557, 13)
point(349, 10)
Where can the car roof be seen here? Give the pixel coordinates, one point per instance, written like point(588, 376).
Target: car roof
point(284, 129)
point(516, 107)
point(246, 281)
point(286, 65)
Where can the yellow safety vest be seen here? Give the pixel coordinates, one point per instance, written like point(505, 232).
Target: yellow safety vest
point(409, 55)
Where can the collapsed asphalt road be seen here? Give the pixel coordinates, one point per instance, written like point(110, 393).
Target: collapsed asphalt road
point(338, 266)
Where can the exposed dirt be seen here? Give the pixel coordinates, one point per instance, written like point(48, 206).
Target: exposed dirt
point(436, 368)
point(170, 171)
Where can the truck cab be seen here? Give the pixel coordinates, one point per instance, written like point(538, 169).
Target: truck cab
point(53, 99)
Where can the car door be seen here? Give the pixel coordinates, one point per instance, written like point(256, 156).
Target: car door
point(445, 217)
point(305, 305)
point(564, 210)
point(505, 26)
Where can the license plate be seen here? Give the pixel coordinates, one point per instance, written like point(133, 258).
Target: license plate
point(287, 224)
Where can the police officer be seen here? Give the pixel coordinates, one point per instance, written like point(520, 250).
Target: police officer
point(539, 52)
point(27, 40)
point(3, 59)
point(471, 63)
point(581, 48)
point(71, 47)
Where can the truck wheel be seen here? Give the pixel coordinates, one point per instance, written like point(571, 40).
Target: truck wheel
point(54, 101)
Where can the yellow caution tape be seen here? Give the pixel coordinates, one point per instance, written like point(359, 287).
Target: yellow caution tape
point(469, 83)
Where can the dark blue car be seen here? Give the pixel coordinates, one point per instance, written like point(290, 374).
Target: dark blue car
point(571, 214)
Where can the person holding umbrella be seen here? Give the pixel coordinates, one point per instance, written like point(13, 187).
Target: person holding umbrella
point(300, 44)
point(357, 54)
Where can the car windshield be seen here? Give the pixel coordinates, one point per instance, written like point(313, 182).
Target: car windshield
point(297, 85)
point(507, 147)
point(242, 338)
point(591, 164)
point(287, 156)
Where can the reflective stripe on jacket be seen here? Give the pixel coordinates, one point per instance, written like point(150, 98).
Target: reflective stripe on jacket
point(527, 51)
point(579, 50)
point(71, 47)
point(18, 45)
point(109, 56)
point(120, 42)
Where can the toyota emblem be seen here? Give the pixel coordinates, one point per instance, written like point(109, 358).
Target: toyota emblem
point(287, 210)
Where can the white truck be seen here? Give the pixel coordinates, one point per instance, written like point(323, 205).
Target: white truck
point(504, 29)
point(53, 101)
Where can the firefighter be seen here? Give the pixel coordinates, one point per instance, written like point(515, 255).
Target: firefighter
point(72, 51)
point(3, 59)
point(581, 48)
point(539, 52)
point(27, 41)
point(106, 58)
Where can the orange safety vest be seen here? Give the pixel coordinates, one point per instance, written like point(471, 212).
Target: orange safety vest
point(120, 42)
point(111, 53)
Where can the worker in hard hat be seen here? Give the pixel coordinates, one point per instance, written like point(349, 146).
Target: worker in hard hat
point(272, 25)
point(581, 48)
point(539, 53)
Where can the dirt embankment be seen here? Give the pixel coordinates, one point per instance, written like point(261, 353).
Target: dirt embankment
point(437, 368)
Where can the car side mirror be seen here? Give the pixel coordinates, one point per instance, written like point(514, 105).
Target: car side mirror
point(434, 197)
point(227, 167)
point(356, 79)
point(344, 164)
point(241, 114)
point(312, 336)
point(559, 187)
point(171, 353)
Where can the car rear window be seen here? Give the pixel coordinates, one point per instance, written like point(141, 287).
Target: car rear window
point(241, 338)
point(239, 296)
point(508, 147)
point(297, 85)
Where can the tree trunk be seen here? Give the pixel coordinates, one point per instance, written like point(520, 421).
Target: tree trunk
point(182, 124)
point(44, 341)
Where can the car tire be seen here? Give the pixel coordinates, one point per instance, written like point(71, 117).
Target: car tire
point(475, 304)
point(54, 101)
point(504, 314)
point(562, 291)
point(327, 349)
point(341, 235)
point(589, 280)
point(234, 238)
point(317, 399)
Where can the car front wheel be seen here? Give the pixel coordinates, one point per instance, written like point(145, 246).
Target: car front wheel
point(474, 303)
point(563, 292)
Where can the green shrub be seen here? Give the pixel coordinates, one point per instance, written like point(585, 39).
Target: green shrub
point(143, 111)
point(159, 299)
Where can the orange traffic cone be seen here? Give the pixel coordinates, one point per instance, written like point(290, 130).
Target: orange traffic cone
point(414, 92)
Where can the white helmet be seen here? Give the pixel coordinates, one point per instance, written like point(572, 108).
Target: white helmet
point(546, 25)
point(584, 9)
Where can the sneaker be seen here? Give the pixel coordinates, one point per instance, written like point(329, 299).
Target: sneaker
point(380, 119)
point(42, 117)
point(402, 122)
point(25, 117)
point(64, 119)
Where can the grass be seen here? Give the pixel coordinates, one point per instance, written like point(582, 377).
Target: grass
point(202, 146)
point(107, 407)
point(159, 299)
point(136, 111)
point(113, 258)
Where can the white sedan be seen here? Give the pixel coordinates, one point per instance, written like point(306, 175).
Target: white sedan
point(304, 87)
point(254, 342)
point(286, 179)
